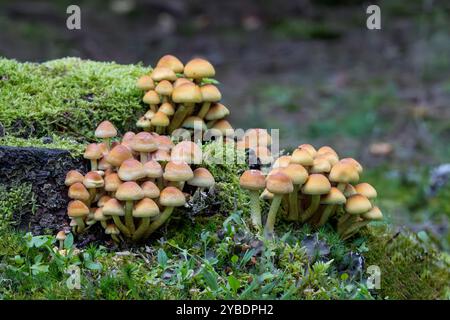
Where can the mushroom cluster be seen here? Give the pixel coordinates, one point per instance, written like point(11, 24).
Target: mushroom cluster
point(134, 184)
point(182, 96)
point(312, 186)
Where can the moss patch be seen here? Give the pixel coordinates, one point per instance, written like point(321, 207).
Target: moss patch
point(13, 202)
point(67, 96)
point(53, 142)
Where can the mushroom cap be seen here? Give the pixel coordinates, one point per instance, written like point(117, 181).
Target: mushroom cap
point(113, 208)
point(177, 171)
point(118, 154)
point(258, 137)
point(373, 214)
point(61, 235)
point(112, 229)
point(252, 180)
point(146, 208)
point(78, 191)
point(99, 216)
point(357, 204)
point(143, 142)
point(202, 178)
point(266, 195)
point(103, 199)
point(217, 111)
point(160, 119)
point(343, 172)
point(164, 88)
point(302, 156)
point(187, 151)
point(131, 169)
point(161, 155)
point(326, 149)
point(164, 143)
point(316, 184)
point(366, 190)
point(93, 152)
point(172, 197)
point(308, 147)
point(171, 62)
point(296, 172)
point(195, 123)
point(142, 122)
point(150, 189)
point(331, 157)
point(145, 83)
point(73, 176)
point(151, 97)
point(105, 130)
point(320, 165)
point(77, 209)
point(163, 73)
point(349, 190)
point(104, 165)
point(224, 127)
point(93, 180)
point(167, 108)
point(199, 68)
point(153, 169)
point(128, 136)
point(210, 93)
point(187, 93)
point(181, 81)
point(129, 191)
point(358, 166)
point(282, 162)
point(335, 196)
point(112, 182)
point(279, 183)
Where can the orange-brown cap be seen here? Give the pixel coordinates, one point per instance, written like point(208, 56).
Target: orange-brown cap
point(77, 209)
point(282, 162)
point(302, 156)
point(161, 155)
point(113, 208)
point(145, 83)
point(224, 127)
point(99, 216)
point(167, 108)
point(146, 208)
point(335, 196)
point(252, 180)
point(160, 119)
point(320, 165)
point(93, 180)
point(104, 165)
point(129, 191)
point(105, 130)
point(171, 62)
point(202, 178)
point(153, 169)
point(172, 197)
point(358, 166)
point(349, 190)
point(366, 190)
point(150, 190)
point(296, 172)
point(112, 229)
point(130, 170)
point(187, 151)
point(187, 93)
point(93, 152)
point(118, 154)
point(357, 204)
point(72, 177)
point(163, 73)
point(181, 81)
point(316, 184)
point(143, 142)
point(112, 182)
point(326, 149)
point(164, 88)
point(217, 111)
point(331, 157)
point(199, 68)
point(78, 191)
point(343, 172)
point(373, 214)
point(151, 97)
point(308, 147)
point(61, 235)
point(164, 143)
point(177, 171)
point(210, 93)
point(103, 199)
point(143, 122)
point(279, 183)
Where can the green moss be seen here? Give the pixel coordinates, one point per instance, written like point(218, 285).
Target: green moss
point(57, 142)
point(67, 96)
point(13, 201)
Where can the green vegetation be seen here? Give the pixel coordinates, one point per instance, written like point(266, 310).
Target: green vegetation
point(13, 202)
point(55, 142)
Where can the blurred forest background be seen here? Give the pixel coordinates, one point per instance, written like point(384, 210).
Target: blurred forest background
point(309, 68)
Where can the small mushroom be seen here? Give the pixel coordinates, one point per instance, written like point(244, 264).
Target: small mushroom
point(92, 181)
point(177, 173)
point(144, 209)
point(73, 176)
point(254, 181)
point(171, 62)
point(77, 210)
point(143, 142)
point(187, 95)
point(113, 231)
point(298, 174)
point(129, 191)
point(198, 69)
point(210, 94)
point(114, 209)
point(333, 199)
point(118, 154)
point(106, 131)
point(61, 236)
point(316, 185)
point(93, 153)
point(145, 83)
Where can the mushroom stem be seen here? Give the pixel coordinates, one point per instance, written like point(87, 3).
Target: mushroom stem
point(121, 226)
point(272, 216)
point(129, 216)
point(140, 231)
point(159, 221)
point(107, 142)
point(61, 244)
point(94, 165)
point(179, 116)
point(327, 212)
point(308, 213)
point(104, 224)
point(345, 224)
point(352, 229)
point(293, 204)
point(153, 108)
point(255, 210)
point(160, 130)
point(341, 186)
point(115, 238)
point(80, 224)
point(204, 109)
point(143, 157)
point(92, 193)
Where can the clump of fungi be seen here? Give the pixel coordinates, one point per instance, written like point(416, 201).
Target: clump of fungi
point(134, 184)
point(182, 96)
point(311, 186)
